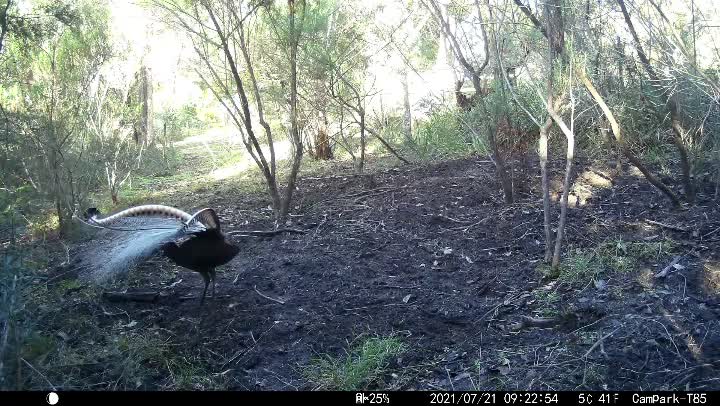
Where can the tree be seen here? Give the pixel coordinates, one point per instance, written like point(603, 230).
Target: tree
point(672, 105)
point(477, 101)
point(221, 36)
point(52, 58)
point(617, 133)
point(114, 143)
point(4, 22)
point(341, 65)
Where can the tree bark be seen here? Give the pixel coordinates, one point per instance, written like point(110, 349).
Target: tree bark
point(294, 132)
point(555, 34)
point(322, 140)
point(543, 154)
point(564, 200)
point(361, 161)
point(3, 24)
point(407, 115)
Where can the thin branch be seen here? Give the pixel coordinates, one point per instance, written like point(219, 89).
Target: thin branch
point(529, 14)
point(267, 297)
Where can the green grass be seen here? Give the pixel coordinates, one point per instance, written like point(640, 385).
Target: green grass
point(191, 374)
point(547, 299)
point(360, 368)
point(445, 134)
point(582, 265)
point(624, 256)
point(579, 266)
point(43, 225)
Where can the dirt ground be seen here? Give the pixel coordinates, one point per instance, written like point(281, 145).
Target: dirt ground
point(430, 254)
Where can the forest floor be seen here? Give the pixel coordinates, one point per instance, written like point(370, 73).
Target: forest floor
point(412, 277)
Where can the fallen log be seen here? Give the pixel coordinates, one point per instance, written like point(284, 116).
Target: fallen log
point(143, 297)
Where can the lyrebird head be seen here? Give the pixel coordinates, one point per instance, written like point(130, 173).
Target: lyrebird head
point(91, 212)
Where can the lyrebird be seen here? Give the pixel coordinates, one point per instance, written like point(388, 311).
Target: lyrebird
point(198, 245)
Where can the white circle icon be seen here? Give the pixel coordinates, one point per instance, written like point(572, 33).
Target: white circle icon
point(52, 398)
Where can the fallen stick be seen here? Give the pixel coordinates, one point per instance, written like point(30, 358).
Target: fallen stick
point(143, 297)
point(267, 297)
point(183, 298)
point(599, 341)
point(668, 226)
point(541, 322)
point(668, 268)
point(267, 233)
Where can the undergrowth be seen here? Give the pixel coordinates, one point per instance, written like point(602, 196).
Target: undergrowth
point(362, 366)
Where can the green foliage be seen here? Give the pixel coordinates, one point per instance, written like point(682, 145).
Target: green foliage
point(362, 367)
point(615, 255)
point(191, 374)
point(141, 353)
point(444, 134)
point(15, 329)
point(177, 124)
point(50, 67)
point(427, 48)
point(37, 347)
point(579, 267)
point(624, 256)
point(547, 300)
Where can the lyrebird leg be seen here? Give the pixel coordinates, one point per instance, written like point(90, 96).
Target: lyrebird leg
point(212, 276)
point(206, 278)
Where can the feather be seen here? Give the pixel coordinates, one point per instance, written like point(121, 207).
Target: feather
point(198, 243)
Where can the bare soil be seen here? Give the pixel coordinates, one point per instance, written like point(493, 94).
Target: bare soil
point(432, 255)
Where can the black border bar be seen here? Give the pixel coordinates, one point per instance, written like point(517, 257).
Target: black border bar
point(430, 398)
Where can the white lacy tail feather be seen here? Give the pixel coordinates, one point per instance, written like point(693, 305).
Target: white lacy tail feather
point(205, 219)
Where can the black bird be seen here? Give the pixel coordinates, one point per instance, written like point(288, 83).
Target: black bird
point(202, 246)
point(204, 251)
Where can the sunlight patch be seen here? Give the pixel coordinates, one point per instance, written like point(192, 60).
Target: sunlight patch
point(283, 151)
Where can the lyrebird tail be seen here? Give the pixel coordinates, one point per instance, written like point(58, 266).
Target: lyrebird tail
point(150, 210)
point(205, 219)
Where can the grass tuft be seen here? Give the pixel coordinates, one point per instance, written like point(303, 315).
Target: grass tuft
point(359, 369)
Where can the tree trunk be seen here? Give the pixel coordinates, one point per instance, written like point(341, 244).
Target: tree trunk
point(361, 161)
point(407, 115)
point(4, 23)
point(146, 100)
point(322, 140)
point(564, 201)
point(554, 50)
point(294, 132)
point(677, 131)
point(500, 167)
point(543, 153)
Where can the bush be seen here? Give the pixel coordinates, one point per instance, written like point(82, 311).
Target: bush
point(12, 331)
point(445, 134)
point(177, 124)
